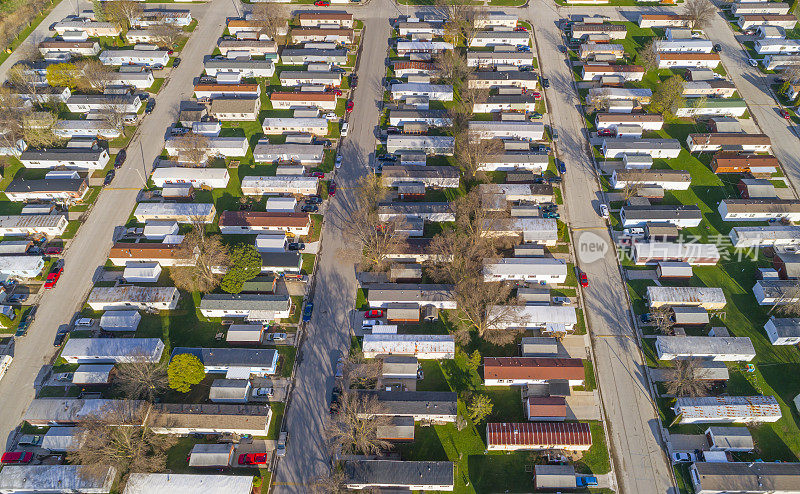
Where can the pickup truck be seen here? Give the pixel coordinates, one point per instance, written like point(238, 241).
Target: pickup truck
point(589, 481)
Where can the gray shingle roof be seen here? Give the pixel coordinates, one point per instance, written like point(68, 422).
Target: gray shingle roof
point(399, 473)
point(221, 301)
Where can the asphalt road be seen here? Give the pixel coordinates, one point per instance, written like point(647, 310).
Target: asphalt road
point(631, 419)
point(89, 249)
point(328, 333)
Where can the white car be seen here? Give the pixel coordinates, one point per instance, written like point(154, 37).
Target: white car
point(331, 116)
point(85, 322)
point(368, 323)
point(345, 127)
point(753, 62)
point(682, 457)
point(263, 392)
point(604, 211)
point(338, 161)
point(634, 232)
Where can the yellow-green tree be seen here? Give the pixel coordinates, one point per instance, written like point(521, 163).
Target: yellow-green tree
point(63, 75)
point(185, 371)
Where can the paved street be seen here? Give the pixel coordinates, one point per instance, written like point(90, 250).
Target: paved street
point(89, 250)
point(328, 334)
point(638, 459)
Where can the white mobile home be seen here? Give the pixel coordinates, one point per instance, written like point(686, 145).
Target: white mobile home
point(182, 212)
point(656, 148)
point(709, 298)
point(718, 349)
point(727, 409)
point(50, 225)
point(548, 318)
point(146, 58)
point(783, 331)
point(282, 184)
point(532, 269)
point(421, 346)
point(533, 131)
point(133, 297)
point(759, 209)
point(112, 350)
point(213, 178)
point(288, 125)
point(70, 158)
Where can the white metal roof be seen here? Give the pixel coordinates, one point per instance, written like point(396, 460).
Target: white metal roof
point(120, 319)
point(148, 483)
point(715, 407)
point(676, 295)
point(411, 344)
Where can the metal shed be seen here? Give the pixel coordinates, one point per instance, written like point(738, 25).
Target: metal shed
point(245, 334)
point(229, 391)
point(211, 455)
point(689, 316)
point(430, 313)
point(142, 272)
point(403, 313)
point(62, 439)
point(398, 429)
point(674, 270)
point(92, 375)
point(120, 320)
point(538, 346)
point(407, 272)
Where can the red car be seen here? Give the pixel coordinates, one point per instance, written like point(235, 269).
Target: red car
point(53, 251)
point(18, 457)
point(350, 106)
point(322, 3)
point(54, 275)
point(253, 459)
point(785, 114)
point(337, 92)
point(317, 174)
point(373, 314)
point(583, 279)
point(604, 133)
point(521, 29)
point(332, 188)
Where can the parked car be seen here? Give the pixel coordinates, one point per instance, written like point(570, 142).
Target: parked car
point(523, 48)
point(335, 396)
point(16, 457)
point(584, 280)
point(54, 275)
point(339, 367)
point(545, 82)
point(280, 449)
point(373, 314)
point(387, 157)
point(562, 167)
point(317, 174)
point(332, 188)
point(785, 113)
point(309, 308)
point(536, 114)
point(151, 105)
point(553, 134)
point(85, 322)
point(605, 133)
point(276, 336)
point(253, 458)
point(109, 177)
point(30, 440)
point(587, 481)
point(344, 130)
point(297, 245)
point(353, 81)
point(25, 322)
point(330, 116)
point(683, 457)
point(338, 163)
point(551, 215)
point(179, 131)
point(65, 376)
point(753, 62)
point(309, 208)
point(120, 158)
point(322, 3)
point(60, 337)
point(350, 105)
point(176, 62)
point(337, 92)
point(315, 199)
point(717, 47)
point(263, 391)
point(604, 211)
point(521, 29)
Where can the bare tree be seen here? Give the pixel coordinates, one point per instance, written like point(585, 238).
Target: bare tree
point(632, 186)
point(271, 17)
point(459, 18)
point(142, 380)
point(166, 35)
point(470, 152)
point(113, 113)
point(599, 101)
point(788, 301)
point(700, 13)
point(648, 56)
point(37, 129)
point(451, 66)
point(192, 149)
point(360, 372)
point(463, 108)
point(684, 379)
point(354, 428)
point(668, 95)
point(121, 436)
point(94, 76)
point(371, 239)
point(13, 114)
point(332, 482)
point(487, 307)
point(123, 12)
point(661, 317)
point(25, 81)
point(210, 258)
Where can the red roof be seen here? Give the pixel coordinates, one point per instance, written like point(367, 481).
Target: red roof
point(263, 219)
point(547, 406)
point(612, 68)
point(302, 96)
point(538, 434)
point(537, 368)
point(414, 65)
point(229, 88)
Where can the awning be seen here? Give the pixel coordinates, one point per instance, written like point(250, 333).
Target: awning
point(238, 373)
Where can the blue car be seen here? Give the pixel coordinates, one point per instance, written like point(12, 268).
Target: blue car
point(307, 312)
point(589, 481)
